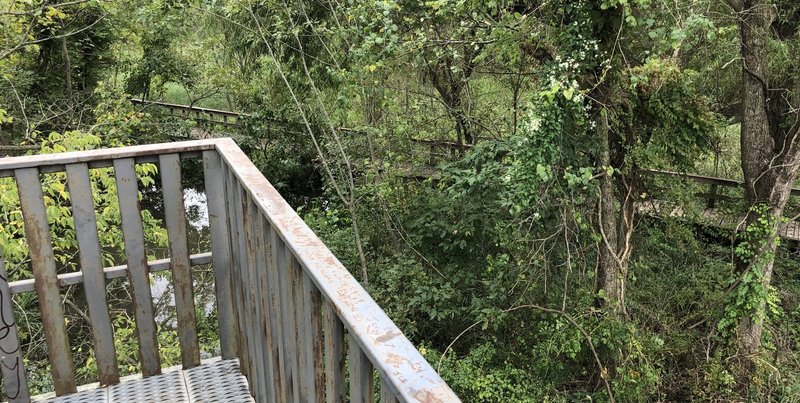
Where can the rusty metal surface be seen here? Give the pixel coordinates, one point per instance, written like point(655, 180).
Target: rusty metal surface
point(380, 339)
point(91, 260)
point(43, 264)
point(66, 279)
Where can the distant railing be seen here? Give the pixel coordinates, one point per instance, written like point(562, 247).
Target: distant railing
point(714, 183)
point(287, 308)
point(196, 113)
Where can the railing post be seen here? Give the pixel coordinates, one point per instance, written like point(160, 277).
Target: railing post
point(264, 325)
point(253, 308)
point(37, 232)
point(276, 324)
point(235, 227)
point(334, 356)
point(220, 249)
point(285, 262)
point(712, 197)
point(362, 388)
point(11, 365)
point(138, 273)
point(387, 394)
point(175, 218)
point(313, 372)
point(94, 280)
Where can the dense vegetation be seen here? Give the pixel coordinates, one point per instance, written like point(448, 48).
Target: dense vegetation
point(513, 251)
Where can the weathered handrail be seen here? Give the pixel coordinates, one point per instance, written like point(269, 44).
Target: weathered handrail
point(709, 180)
point(286, 305)
point(198, 112)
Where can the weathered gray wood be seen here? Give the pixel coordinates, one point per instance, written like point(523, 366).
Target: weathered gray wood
point(94, 279)
point(243, 268)
point(275, 319)
point(289, 321)
point(277, 288)
point(66, 279)
point(362, 388)
point(252, 305)
point(220, 247)
point(313, 371)
point(43, 264)
point(11, 365)
point(133, 234)
point(234, 214)
point(45, 161)
point(334, 356)
point(301, 353)
point(175, 218)
point(387, 395)
point(262, 261)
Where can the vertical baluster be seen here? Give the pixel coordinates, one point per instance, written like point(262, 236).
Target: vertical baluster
point(712, 196)
point(43, 264)
point(11, 365)
point(362, 389)
point(175, 218)
point(138, 275)
point(387, 394)
point(276, 323)
point(243, 287)
point(220, 250)
point(313, 343)
point(94, 280)
point(334, 356)
point(252, 306)
point(301, 354)
point(287, 320)
point(234, 213)
point(233, 269)
point(265, 329)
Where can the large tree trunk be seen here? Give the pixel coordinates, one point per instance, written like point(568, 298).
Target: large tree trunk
point(770, 169)
point(610, 273)
point(616, 210)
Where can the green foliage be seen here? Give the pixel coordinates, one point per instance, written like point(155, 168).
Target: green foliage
point(490, 251)
point(482, 376)
point(756, 248)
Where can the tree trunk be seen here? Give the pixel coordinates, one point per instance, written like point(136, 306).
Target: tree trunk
point(67, 72)
point(613, 265)
point(770, 170)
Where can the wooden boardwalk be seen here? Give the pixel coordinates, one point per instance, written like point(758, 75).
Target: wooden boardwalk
point(710, 216)
point(214, 381)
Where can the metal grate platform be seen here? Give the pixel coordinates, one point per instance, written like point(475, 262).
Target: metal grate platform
point(217, 381)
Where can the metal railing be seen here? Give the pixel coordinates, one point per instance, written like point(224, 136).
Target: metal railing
point(287, 308)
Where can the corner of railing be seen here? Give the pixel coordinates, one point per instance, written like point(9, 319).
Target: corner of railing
point(402, 367)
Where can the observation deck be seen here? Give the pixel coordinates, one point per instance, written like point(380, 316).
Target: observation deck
point(293, 324)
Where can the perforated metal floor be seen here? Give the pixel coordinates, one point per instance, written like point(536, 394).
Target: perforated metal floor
point(218, 381)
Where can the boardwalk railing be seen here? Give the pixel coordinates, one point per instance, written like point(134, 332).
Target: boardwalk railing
point(288, 310)
point(714, 185)
point(196, 113)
